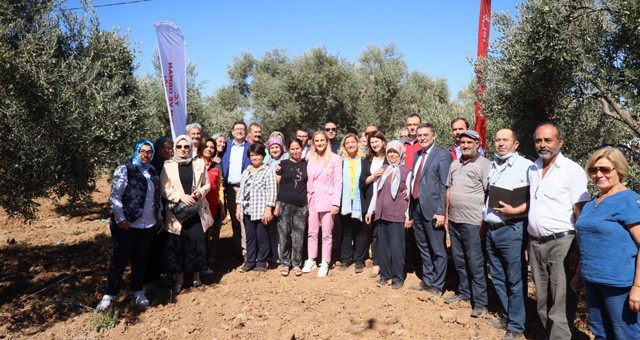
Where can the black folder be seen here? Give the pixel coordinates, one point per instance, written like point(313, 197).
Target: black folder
point(514, 196)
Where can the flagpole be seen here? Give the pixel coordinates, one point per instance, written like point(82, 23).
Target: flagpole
point(484, 28)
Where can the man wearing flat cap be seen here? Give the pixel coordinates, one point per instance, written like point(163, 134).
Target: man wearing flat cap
point(464, 201)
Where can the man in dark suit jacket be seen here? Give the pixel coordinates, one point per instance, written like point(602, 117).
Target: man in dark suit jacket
point(234, 161)
point(427, 200)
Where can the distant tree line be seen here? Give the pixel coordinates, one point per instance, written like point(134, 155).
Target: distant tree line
point(71, 106)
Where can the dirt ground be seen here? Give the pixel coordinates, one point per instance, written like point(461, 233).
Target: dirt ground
point(53, 271)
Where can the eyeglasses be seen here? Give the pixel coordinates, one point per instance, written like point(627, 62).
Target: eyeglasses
point(179, 147)
point(146, 152)
point(330, 129)
point(605, 170)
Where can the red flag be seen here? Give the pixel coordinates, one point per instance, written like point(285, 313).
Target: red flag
point(484, 27)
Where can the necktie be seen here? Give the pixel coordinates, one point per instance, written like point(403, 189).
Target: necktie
point(416, 181)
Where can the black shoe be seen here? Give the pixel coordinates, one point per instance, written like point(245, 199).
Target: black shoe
point(259, 269)
point(511, 335)
point(343, 265)
point(206, 271)
point(359, 268)
point(397, 285)
point(478, 311)
point(381, 282)
point(499, 324)
point(455, 298)
point(434, 292)
point(421, 287)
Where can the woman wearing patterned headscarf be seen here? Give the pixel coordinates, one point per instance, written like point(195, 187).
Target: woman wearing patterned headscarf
point(185, 180)
point(135, 212)
point(390, 208)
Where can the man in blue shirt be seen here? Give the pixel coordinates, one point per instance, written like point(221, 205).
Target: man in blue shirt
point(234, 161)
point(505, 225)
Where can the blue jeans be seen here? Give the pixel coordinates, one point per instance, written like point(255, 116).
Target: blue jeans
point(609, 313)
point(468, 259)
point(505, 247)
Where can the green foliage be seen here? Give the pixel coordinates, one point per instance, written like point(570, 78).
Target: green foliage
point(285, 92)
point(103, 321)
point(572, 62)
point(68, 102)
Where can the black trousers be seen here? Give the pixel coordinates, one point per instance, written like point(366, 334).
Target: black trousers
point(391, 247)
point(354, 240)
point(128, 245)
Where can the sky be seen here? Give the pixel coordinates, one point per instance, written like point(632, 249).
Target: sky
point(436, 37)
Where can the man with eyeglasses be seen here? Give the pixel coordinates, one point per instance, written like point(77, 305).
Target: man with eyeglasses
point(303, 135)
point(558, 191)
point(234, 161)
point(427, 210)
point(332, 131)
point(505, 225)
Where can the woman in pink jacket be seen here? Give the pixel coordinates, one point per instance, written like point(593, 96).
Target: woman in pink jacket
point(324, 184)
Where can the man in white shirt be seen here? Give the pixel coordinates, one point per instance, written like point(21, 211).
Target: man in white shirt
point(557, 193)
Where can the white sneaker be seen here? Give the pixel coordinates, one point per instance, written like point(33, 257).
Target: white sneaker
point(324, 269)
point(105, 302)
point(309, 265)
point(140, 299)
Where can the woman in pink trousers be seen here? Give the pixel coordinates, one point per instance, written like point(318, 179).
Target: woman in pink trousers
point(324, 185)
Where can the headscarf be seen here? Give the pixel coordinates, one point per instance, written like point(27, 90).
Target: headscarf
point(136, 153)
point(160, 142)
point(276, 140)
point(395, 168)
point(283, 155)
point(158, 145)
point(176, 157)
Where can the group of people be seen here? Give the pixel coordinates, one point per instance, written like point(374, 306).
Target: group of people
point(393, 201)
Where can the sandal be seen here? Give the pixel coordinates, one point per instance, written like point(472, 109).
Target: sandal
point(297, 271)
point(284, 271)
point(197, 284)
point(176, 288)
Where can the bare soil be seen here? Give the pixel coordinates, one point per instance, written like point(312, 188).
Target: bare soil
point(53, 271)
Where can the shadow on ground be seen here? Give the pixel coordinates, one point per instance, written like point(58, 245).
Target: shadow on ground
point(43, 285)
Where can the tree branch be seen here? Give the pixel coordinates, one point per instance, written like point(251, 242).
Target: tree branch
point(618, 113)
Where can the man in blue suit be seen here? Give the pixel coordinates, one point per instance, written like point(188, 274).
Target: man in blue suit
point(234, 161)
point(427, 204)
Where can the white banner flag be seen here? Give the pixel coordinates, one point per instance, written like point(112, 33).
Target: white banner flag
point(173, 55)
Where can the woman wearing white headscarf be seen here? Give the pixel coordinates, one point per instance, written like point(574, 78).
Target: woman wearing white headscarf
point(390, 208)
point(135, 213)
point(185, 180)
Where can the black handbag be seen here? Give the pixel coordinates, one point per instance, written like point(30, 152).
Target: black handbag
point(182, 211)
